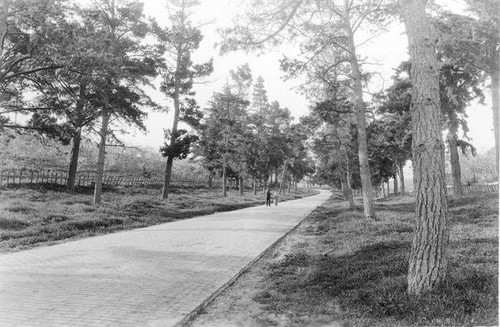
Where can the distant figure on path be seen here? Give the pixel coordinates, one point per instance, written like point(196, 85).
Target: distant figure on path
point(268, 198)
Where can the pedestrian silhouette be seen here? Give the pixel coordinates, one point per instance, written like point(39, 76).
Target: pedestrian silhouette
point(268, 198)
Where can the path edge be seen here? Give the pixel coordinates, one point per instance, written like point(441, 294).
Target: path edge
point(196, 311)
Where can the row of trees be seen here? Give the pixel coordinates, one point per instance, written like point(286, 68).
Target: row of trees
point(451, 58)
point(85, 69)
point(246, 137)
point(390, 132)
point(79, 70)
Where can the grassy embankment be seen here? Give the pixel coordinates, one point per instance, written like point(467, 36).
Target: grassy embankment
point(336, 269)
point(45, 215)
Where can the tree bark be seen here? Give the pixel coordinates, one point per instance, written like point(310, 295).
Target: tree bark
point(173, 136)
point(364, 167)
point(73, 164)
point(346, 189)
point(345, 181)
point(428, 257)
point(495, 103)
point(282, 178)
point(396, 186)
point(455, 162)
point(241, 185)
point(102, 153)
point(224, 176)
point(402, 177)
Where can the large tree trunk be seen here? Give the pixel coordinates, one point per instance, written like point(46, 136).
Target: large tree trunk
point(428, 257)
point(455, 163)
point(364, 167)
point(254, 186)
point(102, 153)
point(495, 102)
point(73, 164)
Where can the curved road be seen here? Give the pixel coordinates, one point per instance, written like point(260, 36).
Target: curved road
point(154, 276)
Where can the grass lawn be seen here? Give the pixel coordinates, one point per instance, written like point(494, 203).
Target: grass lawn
point(46, 215)
point(336, 269)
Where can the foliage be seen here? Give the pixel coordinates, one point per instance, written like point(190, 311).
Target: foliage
point(471, 42)
point(180, 40)
point(28, 34)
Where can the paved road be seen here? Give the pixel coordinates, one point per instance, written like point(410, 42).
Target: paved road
point(153, 276)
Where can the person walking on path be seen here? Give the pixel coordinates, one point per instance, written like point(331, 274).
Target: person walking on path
point(268, 198)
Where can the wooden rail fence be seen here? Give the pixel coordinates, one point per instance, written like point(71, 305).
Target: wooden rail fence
point(479, 188)
point(17, 177)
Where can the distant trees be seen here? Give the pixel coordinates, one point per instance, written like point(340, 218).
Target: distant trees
point(327, 27)
point(250, 139)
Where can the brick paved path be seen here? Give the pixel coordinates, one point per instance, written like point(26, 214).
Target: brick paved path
point(153, 276)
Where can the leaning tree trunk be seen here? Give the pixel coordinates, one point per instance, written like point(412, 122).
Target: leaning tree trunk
point(73, 164)
point(428, 257)
point(102, 153)
point(173, 135)
point(455, 163)
point(364, 167)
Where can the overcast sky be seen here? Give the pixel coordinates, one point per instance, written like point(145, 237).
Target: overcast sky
point(387, 51)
